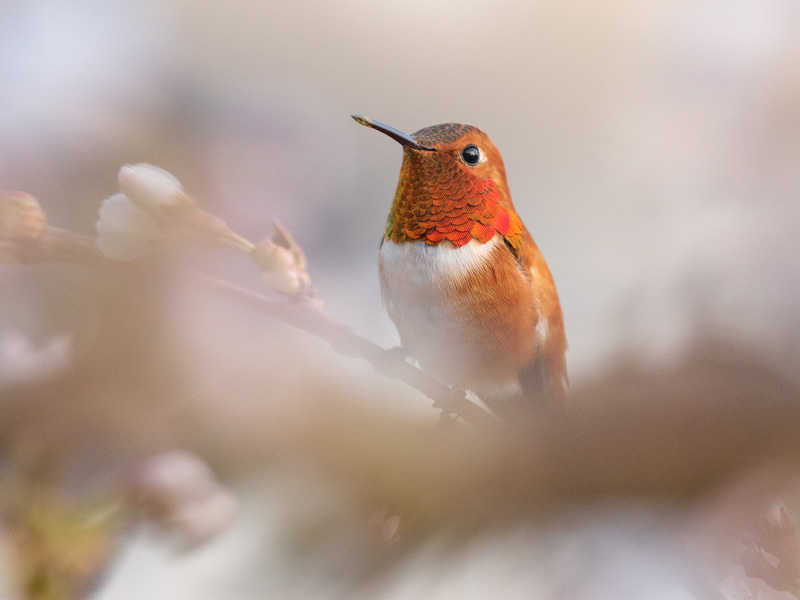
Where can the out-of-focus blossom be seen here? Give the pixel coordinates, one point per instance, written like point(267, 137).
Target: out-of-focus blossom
point(152, 207)
point(61, 549)
point(159, 194)
point(154, 190)
point(124, 231)
point(282, 262)
point(22, 225)
point(771, 553)
point(180, 494)
point(20, 362)
point(21, 217)
point(277, 266)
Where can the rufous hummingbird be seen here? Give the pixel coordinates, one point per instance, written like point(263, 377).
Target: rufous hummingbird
point(461, 277)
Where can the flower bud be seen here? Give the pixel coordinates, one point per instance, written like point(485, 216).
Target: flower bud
point(282, 262)
point(125, 232)
point(159, 194)
point(22, 224)
point(153, 190)
point(277, 266)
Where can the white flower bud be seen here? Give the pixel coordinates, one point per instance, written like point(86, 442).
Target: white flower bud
point(152, 208)
point(125, 232)
point(277, 266)
point(152, 189)
point(282, 262)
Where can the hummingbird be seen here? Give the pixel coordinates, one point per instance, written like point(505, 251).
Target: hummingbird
point(462, 279)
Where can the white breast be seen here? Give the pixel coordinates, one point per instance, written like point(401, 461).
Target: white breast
point(418, 264)
point(416, 284)
point(414, 273)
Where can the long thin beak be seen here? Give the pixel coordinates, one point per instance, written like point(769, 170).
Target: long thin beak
point(405, 139)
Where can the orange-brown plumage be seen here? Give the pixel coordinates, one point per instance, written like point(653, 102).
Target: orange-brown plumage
point(463, 280)
point(436, 200)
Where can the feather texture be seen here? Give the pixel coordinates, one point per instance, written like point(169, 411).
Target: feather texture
point(463, 280)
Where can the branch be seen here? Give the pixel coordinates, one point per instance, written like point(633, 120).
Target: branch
point(303, 315)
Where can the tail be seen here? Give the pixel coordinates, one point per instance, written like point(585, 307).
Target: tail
point(543, 381)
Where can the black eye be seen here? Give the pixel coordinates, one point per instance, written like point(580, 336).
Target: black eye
point(471, 154)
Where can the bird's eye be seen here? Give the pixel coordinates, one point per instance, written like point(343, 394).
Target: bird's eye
point(471, 155)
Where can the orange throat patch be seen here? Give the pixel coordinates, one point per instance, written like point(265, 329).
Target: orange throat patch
point(435, 202)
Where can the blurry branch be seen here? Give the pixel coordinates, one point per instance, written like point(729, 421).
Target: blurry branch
point(155, 209)
point(309, 318)
point(671, 435)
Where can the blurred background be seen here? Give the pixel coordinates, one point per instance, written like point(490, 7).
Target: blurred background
point(652, 148)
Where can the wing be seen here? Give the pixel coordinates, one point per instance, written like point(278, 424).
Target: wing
point(544, 378)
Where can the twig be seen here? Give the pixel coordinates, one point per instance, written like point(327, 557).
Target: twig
point(305, 316)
